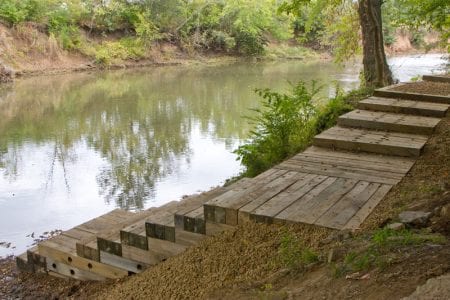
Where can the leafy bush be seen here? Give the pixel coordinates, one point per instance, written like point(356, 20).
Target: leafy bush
point(12, 11)
point(284, 126)
point(127, 48)
point(287, 123)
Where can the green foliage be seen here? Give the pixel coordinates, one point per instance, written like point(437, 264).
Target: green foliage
point(287, 123)
point(293, 254)
point(12, 12)
point(328, 115)
point(146, 31)
point(380, 245)
point(284, 126)
point(126, 48)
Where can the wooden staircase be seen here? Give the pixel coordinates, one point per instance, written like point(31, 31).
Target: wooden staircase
point(335, 183)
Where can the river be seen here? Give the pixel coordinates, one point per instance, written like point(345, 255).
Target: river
point(75, 146)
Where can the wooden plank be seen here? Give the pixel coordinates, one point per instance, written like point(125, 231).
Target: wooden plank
point(194, 221)
point(71, 271)
point(36, 260)
point(62, 252)
point(271, 208)
point(143, 256)
point(310, 211)
point(122, 263)
point(187, 238)
point(253, 200)
point(215, 209)
point(368, 207)
point(164, 248)
point(387, 92)
point(355, 169)
point(429, 109)
point(398, 162)
point(388, 122)
point(216, 228)
point(335, 172)
point(161, 226)
point(436, 78)
point(289, 212)
point(357, 139)
point(340, 213)
point(349, 163)
point(392, 137)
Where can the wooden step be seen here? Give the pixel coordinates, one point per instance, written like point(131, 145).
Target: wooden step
point(388, 121)
point(62, 249)
point(191, 218)
point(419, 108)
point(436, 78)
point(389, 143)
point(224, 209)
point(389, 93)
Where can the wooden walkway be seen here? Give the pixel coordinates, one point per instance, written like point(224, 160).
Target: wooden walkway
point(336, 183)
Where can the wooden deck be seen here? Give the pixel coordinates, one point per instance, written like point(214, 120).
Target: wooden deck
point(335, 183)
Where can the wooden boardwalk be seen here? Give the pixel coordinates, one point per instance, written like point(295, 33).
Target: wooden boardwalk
point(335, 183)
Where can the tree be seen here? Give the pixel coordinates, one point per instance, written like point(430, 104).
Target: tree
point(376, 70)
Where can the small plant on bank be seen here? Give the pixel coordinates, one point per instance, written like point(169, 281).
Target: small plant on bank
point(380, 253)
point(293, 254)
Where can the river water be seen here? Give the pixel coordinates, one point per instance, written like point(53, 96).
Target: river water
point(73, 147)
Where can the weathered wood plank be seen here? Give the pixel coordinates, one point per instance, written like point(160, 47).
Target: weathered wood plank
point(215, 209)
point(368, 207)
point(71, 271)
point(349, 163)
point(340, 213)
point(261, 196)
point(436, 78)
point(280, 201)
point(389, 93)
point(411, 107)
point(370, 141)
point(317, 206)
point(122, 263)
point(388, 122)
point(403, 163)
point(335, 172)
point(292, 210)
point(62, 251)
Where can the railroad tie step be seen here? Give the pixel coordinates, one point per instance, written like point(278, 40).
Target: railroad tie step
point(372, 141)
point(411, 107)
point(388, 122)
point(388, 92)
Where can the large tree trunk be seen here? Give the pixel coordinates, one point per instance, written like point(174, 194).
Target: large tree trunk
point(376, 69)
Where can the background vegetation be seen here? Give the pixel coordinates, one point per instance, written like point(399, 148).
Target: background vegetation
point(110, 30)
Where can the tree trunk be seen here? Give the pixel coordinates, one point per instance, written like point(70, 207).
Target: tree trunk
point(376, 69)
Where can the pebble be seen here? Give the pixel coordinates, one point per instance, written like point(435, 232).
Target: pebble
point(396, 226)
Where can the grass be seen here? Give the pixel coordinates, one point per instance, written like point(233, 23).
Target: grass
point(293, 254)
point(381, 248)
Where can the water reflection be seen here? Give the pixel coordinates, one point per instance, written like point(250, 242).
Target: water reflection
point(75, 146)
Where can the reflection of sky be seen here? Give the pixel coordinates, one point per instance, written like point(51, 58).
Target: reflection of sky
point(31, 202)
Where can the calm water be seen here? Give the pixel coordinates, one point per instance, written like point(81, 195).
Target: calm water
point(75, 146)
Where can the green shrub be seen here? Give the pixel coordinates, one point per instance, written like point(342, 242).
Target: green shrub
point(12, 11)
point(284, 126)
point(127, 48)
